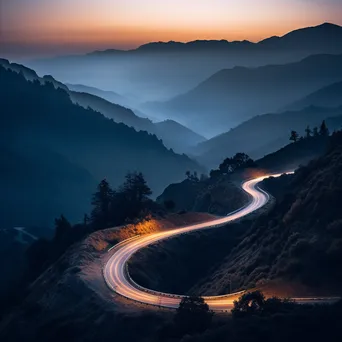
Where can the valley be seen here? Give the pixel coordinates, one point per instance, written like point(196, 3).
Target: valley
point(170, 190)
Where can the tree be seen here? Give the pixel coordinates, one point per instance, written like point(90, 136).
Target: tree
point(242, 160)
point(239, 161)
point(323, 130)
point(62, 227)
point(294, 136)
point(193, 315)
point(248, 304)
point(214, 173)
point(132, 197)
point(227, 166)
point(315, 132)
point(135, 187)
point(308, 132)
point(188, 174)
point(85, 220)
point(254, 303)
point(195, 177)
point(102, 202)
point(203, 177)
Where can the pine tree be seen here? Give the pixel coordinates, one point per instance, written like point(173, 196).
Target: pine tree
point(308, 132)
point(323, 130)
point(294, 136)
point(133, 195)
point(102, 200)
point(62, 227)
point(315, 132)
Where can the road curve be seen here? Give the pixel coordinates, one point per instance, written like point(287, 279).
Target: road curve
point(115, 270)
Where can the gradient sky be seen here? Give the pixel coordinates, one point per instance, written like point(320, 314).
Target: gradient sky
point(50, 27)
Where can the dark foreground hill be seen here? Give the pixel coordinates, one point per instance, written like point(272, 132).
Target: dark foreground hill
point(299, 240)
point(55, 151)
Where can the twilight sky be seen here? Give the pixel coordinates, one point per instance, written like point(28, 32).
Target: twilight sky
point(30, 28)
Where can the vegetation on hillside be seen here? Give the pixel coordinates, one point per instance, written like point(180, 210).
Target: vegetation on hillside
point(50, 144)
point(299, 240)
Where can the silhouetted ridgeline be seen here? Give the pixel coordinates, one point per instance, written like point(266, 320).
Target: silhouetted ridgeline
point(159, 71)
point(264, 134)
point(173, 134)
point(57, 151)
point(236, 94)
point(330, 96)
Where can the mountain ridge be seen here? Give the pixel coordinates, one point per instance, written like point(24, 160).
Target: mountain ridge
point(219, 43)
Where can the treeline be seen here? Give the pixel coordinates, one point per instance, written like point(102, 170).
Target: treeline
point(254, 318)
point(309, 133)
point(110, 207)
point(230, 165)
point(242, 160)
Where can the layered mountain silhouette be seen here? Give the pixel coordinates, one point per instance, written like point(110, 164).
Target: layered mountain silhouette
point(56, 151)
point(264, 134)
point(311, 38)
point(233, 95)
point(330, 96)
point(159, 71)
point(108, 95)
point(173, 134)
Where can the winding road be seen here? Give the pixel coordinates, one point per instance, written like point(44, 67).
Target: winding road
point(116, 273)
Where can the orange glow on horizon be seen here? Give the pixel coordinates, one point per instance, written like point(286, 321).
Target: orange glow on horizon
point(104, 24)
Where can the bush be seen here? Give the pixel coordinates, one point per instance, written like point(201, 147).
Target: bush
point(193, 316)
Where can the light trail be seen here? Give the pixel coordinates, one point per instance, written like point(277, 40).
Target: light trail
point(116, 274)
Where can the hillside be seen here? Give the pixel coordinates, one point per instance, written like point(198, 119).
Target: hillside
point(46, 123)
point(330, 96)
point(215, 196)
point(231, 96)
point(177, 136)
point(174, 135)
point(264, 134)
point(111, 110)
point(159, 71)
point(299, 241)
point(293, 155)
point(190, 264)
point(108, 95)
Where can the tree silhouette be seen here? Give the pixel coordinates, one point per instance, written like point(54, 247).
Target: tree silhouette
point(102, 201)
point(62, 227)
point(294, 136)
point(249, 303)
point(240, 160)
point(323, 130)
point(215, 173)
point(135, 187)
point(315, 132)
point(308, 132)
point(193, 315)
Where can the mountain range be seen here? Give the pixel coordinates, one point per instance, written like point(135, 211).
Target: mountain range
point(174, 135)
point(55, 152)
point(160, 71)
point(231, 96)
point(264, 134)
